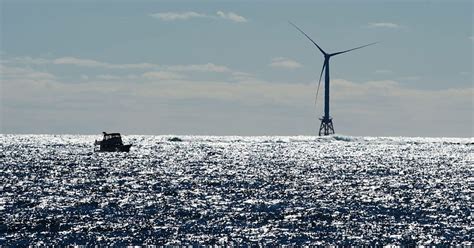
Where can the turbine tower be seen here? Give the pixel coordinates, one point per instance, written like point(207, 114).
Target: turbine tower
point(326, 127)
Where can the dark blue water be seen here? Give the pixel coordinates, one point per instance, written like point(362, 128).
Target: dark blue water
point(236, 190)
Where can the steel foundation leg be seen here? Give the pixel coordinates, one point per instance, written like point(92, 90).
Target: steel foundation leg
point(326, 127)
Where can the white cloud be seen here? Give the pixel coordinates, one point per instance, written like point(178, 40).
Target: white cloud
point(231, 16)
point(241, 76)
point(79, 62)
point(95, 63)
point(383, 25)
point(30, 60)
point(8, 72)
point(173, 16)
point(165, 71)
point(471, 37)
point(285, 63)
point(187, 15)
point(19, 85)
point(162, 75)
point(209, 67)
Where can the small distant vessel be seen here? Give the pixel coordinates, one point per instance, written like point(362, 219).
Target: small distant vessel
point(175, 139)
point(112, 142)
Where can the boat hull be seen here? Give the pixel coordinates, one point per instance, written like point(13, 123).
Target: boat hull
point(123, 148)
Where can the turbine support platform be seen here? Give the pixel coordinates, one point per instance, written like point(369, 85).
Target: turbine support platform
point(326, 127)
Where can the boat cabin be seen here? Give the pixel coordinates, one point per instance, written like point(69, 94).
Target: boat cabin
point(112, 142)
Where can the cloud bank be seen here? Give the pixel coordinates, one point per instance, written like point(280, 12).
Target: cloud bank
point(286, 63)
point(384, 25)
point(174, 16)
point(187, 15)
point(164, 101)
point(231, 16)
point(80, 62)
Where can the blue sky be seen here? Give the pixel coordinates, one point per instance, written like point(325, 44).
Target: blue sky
point(235, 67)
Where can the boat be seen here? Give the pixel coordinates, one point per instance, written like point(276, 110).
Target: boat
point(112, 142)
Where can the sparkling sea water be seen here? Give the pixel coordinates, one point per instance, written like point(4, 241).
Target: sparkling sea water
point(236, 190)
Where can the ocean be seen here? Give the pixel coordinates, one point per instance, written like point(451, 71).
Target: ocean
point(229, 190)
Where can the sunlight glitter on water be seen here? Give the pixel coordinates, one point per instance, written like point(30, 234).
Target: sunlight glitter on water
point(236, 190)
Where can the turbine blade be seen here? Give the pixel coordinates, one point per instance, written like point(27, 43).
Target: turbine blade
point(320, 49)
point(320, 76)
point(332, 54)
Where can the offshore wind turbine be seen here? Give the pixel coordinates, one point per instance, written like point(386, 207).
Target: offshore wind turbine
point(326, 127)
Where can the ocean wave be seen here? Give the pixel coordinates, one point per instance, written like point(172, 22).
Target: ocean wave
point(234, 190)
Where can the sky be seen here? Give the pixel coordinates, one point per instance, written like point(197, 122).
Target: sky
point(235, 67)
